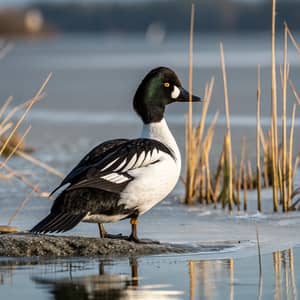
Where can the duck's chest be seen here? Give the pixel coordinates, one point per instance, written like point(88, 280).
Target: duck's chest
point(153, 183)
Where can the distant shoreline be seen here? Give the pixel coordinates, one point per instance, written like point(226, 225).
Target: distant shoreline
point(172, 16)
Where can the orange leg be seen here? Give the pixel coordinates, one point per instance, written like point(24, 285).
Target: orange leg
point(102, 231)
point(133, 237)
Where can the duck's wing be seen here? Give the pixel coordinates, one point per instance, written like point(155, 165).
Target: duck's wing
point(95, 155)
point(112, 172)
point(97, 186)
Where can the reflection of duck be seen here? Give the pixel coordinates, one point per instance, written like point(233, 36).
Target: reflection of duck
point(102, 286)
point(105, 286)
point(123, 178)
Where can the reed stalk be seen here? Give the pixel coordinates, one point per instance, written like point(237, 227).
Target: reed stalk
point(243, 173)
point(258, 128)
point(5, 128)
point(274, 134)
point(266, 158)
point(21, 178)
point(280, 182)
point(285, 199)
point(235, 188)
point(39, 163)
point(207, 143)
point(290, 160)
point(6, 104)
point(292, 38)
point(225, 193)
point(218, 177)
point(14, 110)
point(190, 169)
point(245, 190)
point(12, 150)
point(201, 125)
point(238, 186)
point(203, 185)
point(25, 201)
point(294, 92)
point(250, 175)
point(228, 132)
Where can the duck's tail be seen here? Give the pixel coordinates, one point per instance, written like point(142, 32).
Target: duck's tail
point(57, 222)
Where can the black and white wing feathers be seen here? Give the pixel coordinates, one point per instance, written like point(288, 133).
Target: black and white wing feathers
point(94, 156)
point(111, 173)
point(97, 181)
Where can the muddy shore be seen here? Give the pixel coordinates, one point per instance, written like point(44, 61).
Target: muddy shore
point(25, 245)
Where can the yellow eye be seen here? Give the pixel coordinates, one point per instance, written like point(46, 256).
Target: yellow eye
point(166, 84)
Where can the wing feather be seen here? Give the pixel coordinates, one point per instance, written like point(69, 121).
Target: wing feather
point(95, 155)
point(111, 171)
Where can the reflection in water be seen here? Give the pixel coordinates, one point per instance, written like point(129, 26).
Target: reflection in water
point(207, 279)
point(101, 286)
point(104, 286)
point(6, 276)
point(214, 279)
point(285, 284)
point(167, 278)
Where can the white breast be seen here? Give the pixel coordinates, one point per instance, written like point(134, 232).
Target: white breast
point(154, 182)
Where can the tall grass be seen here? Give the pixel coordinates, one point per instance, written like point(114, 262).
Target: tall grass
point(258, 126)
point(13, 143)
point(223, 186)
point(190, 158)
point(227, 148)
point(274, 127)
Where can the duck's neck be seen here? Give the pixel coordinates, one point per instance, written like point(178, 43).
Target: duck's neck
point(161, 132)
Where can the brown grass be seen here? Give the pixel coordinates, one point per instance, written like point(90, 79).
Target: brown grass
point(224, 184)
point(12, 143)
point(274, 127)
point(258, 128)
point(228, 153)
point(190, 159)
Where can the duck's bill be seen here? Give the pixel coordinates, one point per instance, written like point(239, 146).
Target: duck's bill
point(184, 96)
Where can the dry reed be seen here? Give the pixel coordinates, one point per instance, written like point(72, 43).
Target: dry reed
point(274, 132)
point(25, 201)
point(284, 141)
point(258, 127)
point(223, 186)
point(228, 131)
point(12, 143)
point(31, 103)
point(290, 160)
point(190, 161)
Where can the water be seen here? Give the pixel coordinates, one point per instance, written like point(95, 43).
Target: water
point(156, 277)
point(88, 101)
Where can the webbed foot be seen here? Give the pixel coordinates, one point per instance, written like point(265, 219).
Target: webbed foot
point(135, 239)
point(116, 236)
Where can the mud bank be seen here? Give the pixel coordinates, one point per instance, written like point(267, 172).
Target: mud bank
point(21, 245)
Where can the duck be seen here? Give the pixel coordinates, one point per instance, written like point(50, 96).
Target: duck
point(124, 178)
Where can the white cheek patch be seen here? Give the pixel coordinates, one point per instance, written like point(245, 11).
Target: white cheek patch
point(175, 93)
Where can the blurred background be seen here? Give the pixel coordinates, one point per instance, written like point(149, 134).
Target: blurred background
point(99, 51)
point(132, 16)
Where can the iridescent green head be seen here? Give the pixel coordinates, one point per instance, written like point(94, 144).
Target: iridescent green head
point(159, 88)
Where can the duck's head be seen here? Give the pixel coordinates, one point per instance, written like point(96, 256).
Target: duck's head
point(159, 88)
